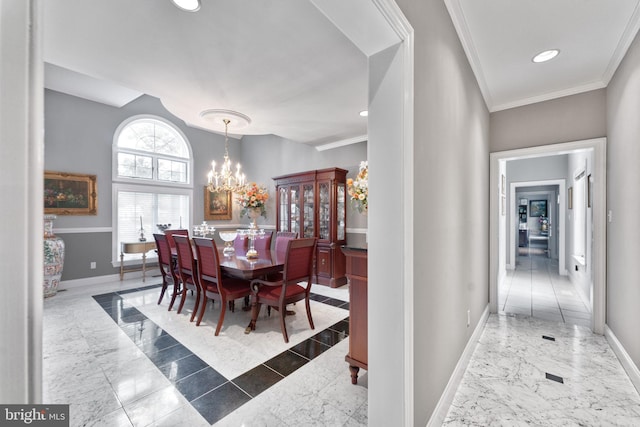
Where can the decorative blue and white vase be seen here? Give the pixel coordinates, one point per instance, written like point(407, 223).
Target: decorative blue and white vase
point(53, 258)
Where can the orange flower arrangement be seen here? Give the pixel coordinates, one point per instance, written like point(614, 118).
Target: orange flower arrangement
point(253, 196)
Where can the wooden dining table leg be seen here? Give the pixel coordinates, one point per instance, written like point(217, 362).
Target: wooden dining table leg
point(255, 310)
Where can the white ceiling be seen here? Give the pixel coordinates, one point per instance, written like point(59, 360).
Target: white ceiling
point(286, 65)
point(500, 38)
point(283, 63)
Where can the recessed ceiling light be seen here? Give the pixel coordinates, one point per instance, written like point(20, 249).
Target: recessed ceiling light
point(547, 55)
point(364, 113)
point(188, 5)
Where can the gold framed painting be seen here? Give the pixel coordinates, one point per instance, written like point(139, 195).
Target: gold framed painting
point(70, 194)
point(217, 206)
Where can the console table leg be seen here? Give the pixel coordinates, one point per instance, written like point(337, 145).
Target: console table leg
point(354, 374)
point(144, 265)
point(121, 266)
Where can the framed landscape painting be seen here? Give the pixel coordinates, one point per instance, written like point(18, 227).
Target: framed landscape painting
point(217, 206)
point(70, 194)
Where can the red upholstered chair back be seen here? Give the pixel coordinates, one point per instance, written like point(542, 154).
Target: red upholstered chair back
point(241, 243)
point(208, 263)
point(282, 239)
point(164, 253)
point(186, 262)
point(170, 233)
point(298, 264)
point(263, 242)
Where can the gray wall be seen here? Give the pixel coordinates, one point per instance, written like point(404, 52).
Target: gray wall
point(451, 211)
point(79, 137)
point(571, 118)
point(623, 179)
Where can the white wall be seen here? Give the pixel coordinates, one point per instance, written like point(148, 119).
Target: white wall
point(623, 180)
point(21, 183)
point(451, 226)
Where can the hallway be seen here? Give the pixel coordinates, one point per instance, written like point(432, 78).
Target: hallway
point(536, 289)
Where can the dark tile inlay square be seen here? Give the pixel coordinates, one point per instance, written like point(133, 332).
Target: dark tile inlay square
point(184, 367)
point(168, 355)
point(547, 337)
point(160, 342)
point(310, 348)
point(317, 297)
point(257, 380)
point(341, 326)
point(329, 337)
point(199, 383)
point(220, 402)
point(286, 362)
point(335, 302)
point(128, 291)
point(554, 378)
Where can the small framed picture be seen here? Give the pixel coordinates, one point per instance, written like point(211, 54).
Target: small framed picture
point(217, 205)
point(570, 198)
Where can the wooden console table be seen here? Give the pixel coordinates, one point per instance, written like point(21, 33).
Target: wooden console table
point(356, 268)
point(135, 248)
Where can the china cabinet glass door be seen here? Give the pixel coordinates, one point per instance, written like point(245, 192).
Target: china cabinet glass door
point(323, 211)
point(295, 210)
point(308, 208)
point(341, 212)
point(283, 209)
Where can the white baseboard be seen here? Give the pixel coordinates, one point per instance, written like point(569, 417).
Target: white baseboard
point(624, 358)
point(110, 278)
point(440, 412)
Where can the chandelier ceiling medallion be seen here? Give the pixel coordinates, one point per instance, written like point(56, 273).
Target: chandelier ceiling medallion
point(226, 179)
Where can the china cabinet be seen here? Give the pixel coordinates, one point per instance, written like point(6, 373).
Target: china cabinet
point(313, 204)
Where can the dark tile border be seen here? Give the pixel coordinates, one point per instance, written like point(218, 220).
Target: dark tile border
point(208, 391)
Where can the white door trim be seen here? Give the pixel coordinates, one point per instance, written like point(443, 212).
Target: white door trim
point(599, 260)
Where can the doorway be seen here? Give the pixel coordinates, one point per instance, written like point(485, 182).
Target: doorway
point(594, 267)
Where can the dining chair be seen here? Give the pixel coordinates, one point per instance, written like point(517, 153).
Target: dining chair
point(188, 271)
point(170, 275)
point(241, 243)
point(282, 237)
point(213, 284)
point(262, 243)
point(298, 267)
point(170, 233)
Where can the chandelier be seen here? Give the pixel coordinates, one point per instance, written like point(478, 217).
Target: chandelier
point(225, 179)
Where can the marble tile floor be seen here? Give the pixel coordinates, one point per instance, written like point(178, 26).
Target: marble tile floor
point(533, 372)
point(119, 359)
point(536, 289)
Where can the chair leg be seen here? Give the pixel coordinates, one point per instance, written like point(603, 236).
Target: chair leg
point(183, 298)
point(203, 307)
point(164, 288)
point(306, 301)
point(232, 306)
point(176, 291)
point(283, 313)
point(223, 309)
point(195, 306)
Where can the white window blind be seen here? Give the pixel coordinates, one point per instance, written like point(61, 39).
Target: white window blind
point(138, 209)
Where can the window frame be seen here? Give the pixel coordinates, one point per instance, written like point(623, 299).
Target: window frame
point(144, 185)
point(155, 156)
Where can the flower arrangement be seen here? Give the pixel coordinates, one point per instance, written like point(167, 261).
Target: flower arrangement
point(358, 188)
point(253, 196)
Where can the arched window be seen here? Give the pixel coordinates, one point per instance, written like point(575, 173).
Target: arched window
point(151, 149)
point(152, 165)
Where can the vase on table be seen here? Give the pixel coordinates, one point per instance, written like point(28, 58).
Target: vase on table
point(254, 213)
point(53, 258)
